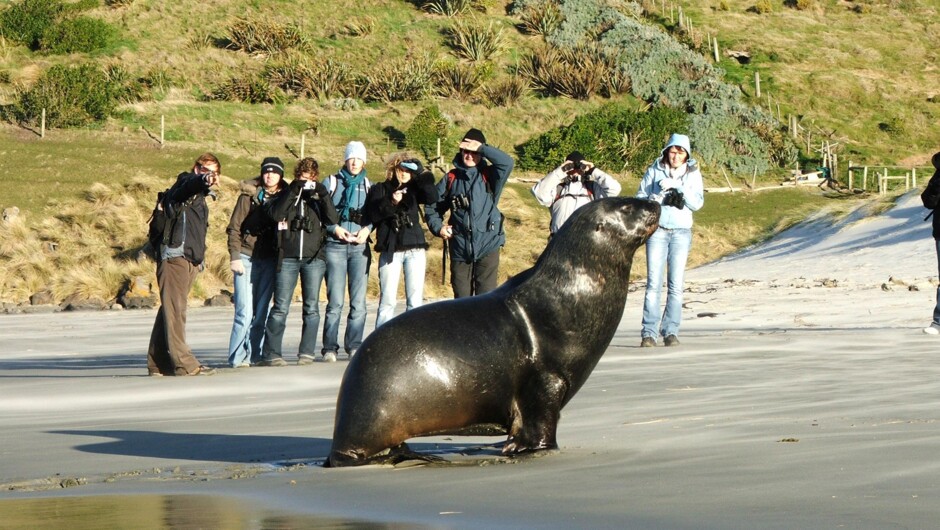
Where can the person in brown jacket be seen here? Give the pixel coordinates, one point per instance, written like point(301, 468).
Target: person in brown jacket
point(252, 247)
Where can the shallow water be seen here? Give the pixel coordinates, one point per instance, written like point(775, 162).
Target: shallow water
point(161, 511)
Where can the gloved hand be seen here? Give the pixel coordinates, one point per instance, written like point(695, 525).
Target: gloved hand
point(669, 183)
point(297, 185)
point(319, 191)
point(674, 198)
point(238, 267)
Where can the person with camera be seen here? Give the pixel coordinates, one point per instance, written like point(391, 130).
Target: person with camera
point(302, 214)
point(673, 180)
point(474, 231)
point(347, 254)
point(394, 209)
point(180, 260)
point(572, 185)
point(252, 246)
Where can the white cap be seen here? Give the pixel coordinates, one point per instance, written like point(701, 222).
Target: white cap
point(355, 150)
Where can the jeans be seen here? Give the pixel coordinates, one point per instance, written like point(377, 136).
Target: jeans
point(310, 271)
point(665, 249)
point(239, 347)
point(415, 263)
point(936, 309)
point(253, 292)
point(347, 265)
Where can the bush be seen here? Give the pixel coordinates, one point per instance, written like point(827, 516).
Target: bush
point(475, 42)
point(27, 21)
point(449, 8)
point(576, 73)
point(118, 3)
point(401, 80)
point(71, 95)
point(505, 92)
point(428, 126)
point(613, 136)
point(260, 34)
point(457, 80)
point(800, 5)
point(77, 35)
point(541, 18)
point(248, 89)
point(322, 79)
point(762, 7)
point(358, 27)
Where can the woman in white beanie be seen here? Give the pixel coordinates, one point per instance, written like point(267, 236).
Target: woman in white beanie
point(347, 253)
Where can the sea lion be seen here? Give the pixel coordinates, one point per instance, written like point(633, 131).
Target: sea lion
point(503, 362)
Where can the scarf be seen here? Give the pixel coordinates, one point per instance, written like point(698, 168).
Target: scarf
point(351, 182)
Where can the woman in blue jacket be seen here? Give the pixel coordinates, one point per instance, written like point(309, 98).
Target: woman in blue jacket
point(673, 180)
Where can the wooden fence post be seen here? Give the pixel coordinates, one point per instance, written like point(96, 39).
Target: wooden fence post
point(757, 84)
point(162, 129)
point(303, 143)
point(42, 126)
point(716, 48)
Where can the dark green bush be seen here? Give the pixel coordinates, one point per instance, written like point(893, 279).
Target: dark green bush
point(429, 125)
point(71, 95)
point(79, 34)
point(26, 22)
point(613, 137)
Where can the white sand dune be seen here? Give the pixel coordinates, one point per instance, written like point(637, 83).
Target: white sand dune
point(804, 395)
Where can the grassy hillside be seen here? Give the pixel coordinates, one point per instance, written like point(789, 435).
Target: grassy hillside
point(869, 86)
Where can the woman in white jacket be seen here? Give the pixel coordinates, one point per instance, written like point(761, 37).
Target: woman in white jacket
point(572, 185)
point(673, 180)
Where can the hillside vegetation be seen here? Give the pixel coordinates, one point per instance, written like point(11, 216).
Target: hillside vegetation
point(323, 73)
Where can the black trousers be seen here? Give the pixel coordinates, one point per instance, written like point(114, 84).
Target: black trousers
point(475, 277)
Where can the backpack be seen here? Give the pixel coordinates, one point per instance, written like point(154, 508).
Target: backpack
point(161, 223)
point(451, 176)
point(589, 188)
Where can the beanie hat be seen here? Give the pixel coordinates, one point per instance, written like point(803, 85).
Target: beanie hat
point(475, 134)
point(355, 149)
point(272, 163)
point(575, 158)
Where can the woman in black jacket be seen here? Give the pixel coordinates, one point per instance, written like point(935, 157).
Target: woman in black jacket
point(931, 199)
point(393, 207)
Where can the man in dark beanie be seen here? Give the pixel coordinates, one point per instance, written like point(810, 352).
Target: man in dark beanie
point(474, 229)
point(572, 185)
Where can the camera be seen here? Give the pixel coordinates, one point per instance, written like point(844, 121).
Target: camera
point(302, 223)
point(674, 198)
point(459, 202)
point(402, 220)
point(354, 216)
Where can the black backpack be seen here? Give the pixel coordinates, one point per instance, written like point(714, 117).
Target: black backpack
point(162, 220)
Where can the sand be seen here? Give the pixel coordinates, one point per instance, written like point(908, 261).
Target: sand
point(803, 395)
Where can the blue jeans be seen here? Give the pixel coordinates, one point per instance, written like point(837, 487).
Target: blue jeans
point(415, 262)
point(263, 276)
point(936, 309)
point(347, 265)
point(310, 271)
point(665, 249)
point(239, 346)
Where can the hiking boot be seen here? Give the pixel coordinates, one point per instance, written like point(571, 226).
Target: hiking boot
point(273, 361)
point(303, 359)
point(933, 329)
point(329, 357)
point(203, 370)
point(243, 364)
point(648, 342)
point(671, 340)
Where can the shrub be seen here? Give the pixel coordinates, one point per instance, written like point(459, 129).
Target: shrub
point(428, 126)
point(401, 80)
point(298, 75)
point(613, 136)
point(261, 34)
point(118, 3)
point(71, 96)
point(541, 18)
point(800, 5)
point(472, 41)
point(27, 21)
point(505, 92)
point(762, 7)
point(248, 89)
point(79, 34)
point(449, 8)
point(358, 27)
point(576, 73)
point(458, 80)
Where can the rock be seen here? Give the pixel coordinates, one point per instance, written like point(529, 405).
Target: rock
point(219, 300)
point(138, 293)
point(11, 215)
point(44, 297)
point(74, 303)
